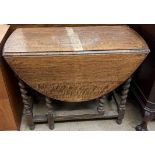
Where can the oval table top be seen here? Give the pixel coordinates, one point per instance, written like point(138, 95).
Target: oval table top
point(75, 63)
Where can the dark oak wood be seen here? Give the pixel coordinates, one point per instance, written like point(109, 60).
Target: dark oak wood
point(28, 106)
point(95, 112)
point(10, 101)
point(76, 115)
point(122, 105)
point(50, 115)
point(75, 63)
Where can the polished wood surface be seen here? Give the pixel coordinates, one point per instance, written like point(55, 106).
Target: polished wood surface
point(75, 63)
point(70, 39)
point(10, 103)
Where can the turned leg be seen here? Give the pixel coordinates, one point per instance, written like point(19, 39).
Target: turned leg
point(101, 102)
point(146, 119)
point(28, 107)
point(124, 95)
point(50, 116)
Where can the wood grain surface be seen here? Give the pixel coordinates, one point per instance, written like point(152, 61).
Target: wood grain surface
point(92, 38)
point(7, 120)
point(10, 103)
point(6, 115)
point(75, 63)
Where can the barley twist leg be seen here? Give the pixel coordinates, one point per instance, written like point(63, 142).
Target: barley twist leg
point(122, 106)
point(28, 106)
point(101, 102)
